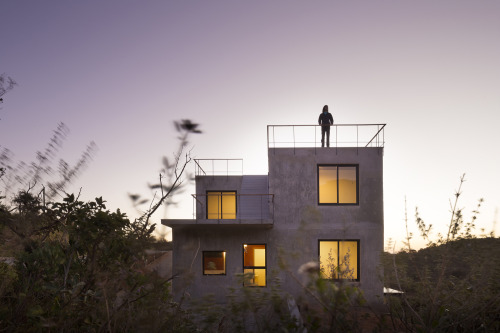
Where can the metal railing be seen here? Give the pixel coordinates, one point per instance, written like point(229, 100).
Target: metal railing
point(218, 167)
point(341, 135)
point(248, 207)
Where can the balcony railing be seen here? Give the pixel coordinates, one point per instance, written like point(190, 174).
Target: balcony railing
point(248, 207)
point(341, 135)
point(218, 167)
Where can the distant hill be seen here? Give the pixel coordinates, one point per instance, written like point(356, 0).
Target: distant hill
point(461, 258)
point(453, 287)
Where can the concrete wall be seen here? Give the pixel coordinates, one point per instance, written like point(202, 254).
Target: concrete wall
point(293, 180)
point(191, 241)
point(299, 222)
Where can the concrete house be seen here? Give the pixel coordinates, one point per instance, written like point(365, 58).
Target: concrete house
point(316, 204)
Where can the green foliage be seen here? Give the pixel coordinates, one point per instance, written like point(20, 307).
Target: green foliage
point(465, 297)
point(250, 309)
point(78, 266)
point(81, 267)
point(450, 286)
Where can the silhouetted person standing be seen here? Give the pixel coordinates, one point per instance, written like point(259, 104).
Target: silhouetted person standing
point(325, 120)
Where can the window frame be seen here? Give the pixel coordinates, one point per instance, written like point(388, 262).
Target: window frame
point(220, 196)
point(254, 267)
point(358, 250)
point(203, 263)
point(338, 166)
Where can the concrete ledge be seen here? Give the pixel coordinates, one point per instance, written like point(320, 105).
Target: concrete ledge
point(190, 222)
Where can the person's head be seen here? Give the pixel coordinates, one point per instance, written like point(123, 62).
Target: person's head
point(325, 109)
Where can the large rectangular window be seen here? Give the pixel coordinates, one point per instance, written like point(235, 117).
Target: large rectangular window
point(214, 262)
point(254, 262)
point(339, 259)
point(338, 184)
point(221, 204)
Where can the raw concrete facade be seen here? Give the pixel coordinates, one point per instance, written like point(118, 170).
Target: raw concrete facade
point(282, 211)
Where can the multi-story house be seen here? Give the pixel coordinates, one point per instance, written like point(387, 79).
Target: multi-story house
point(323, 205)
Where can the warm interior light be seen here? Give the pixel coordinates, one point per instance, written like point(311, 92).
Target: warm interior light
point(337, 184)
point(255, 263)
point(214, 262)
point(347, 185)
point(328, 184)
point(221, 205)
point(339, 259)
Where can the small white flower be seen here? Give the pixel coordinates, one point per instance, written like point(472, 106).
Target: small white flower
point(310, 267)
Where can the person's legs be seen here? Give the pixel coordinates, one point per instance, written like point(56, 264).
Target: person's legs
point(328, 136)
point(323, 130)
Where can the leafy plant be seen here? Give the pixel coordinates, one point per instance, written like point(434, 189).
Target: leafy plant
point(450, 286)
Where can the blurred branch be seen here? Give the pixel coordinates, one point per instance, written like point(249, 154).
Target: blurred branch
point(40, 171)
point(171, 178)
point(6, 84)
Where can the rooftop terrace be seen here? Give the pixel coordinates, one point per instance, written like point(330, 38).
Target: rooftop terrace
point(299, 136)
point(341, 135)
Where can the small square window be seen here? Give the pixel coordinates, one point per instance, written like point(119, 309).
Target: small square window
point(214, 262)
point(221, 204)
point(338, 184)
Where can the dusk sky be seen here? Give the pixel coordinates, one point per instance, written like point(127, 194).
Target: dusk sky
point(120, 72)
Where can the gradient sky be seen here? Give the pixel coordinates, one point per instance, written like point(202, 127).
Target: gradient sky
point(120, 72)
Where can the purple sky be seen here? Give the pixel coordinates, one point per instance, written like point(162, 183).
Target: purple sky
point(120, 72)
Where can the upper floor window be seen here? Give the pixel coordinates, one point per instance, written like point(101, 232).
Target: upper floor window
point(254, 263)
point(339, 259)
point(338, 184)
point(214, 262)
point(221, 204)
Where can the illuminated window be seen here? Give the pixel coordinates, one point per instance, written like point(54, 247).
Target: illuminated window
point(221, 205)
point(214, 263)
point(254, 264)
point(338, 184)
point(339, 259)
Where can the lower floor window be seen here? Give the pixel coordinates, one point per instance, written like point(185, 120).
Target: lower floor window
point(214, 262)
point(254, 264)
point(339, 259)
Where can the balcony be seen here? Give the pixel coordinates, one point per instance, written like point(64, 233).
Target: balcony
point(245, 209)
point(341, 135)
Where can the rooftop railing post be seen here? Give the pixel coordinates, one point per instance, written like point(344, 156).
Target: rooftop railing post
point(336, 139)
point(378, 129)
point(314, 129)
point(357, 139)
point(376, 135)
point(274, 141)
